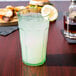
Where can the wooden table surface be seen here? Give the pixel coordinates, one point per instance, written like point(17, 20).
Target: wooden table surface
point(61, 56)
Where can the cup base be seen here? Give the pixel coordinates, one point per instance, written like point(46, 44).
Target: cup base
point(39, 64)
point(69, 40)
point(70, 35)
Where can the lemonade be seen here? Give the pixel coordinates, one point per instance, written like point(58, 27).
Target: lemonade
point(33, 30)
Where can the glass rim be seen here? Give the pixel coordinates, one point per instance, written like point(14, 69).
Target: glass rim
point(66, 13)
point(26, 14)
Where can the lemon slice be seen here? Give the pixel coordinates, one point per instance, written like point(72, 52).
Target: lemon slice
point(49, 12)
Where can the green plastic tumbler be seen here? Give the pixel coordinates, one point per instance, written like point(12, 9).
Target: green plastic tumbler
point(33, 31)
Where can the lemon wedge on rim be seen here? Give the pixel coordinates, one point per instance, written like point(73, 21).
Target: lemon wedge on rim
point(49, 12)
